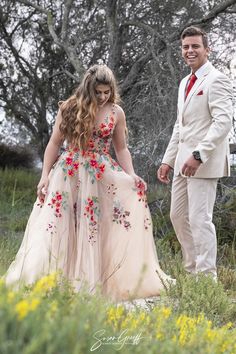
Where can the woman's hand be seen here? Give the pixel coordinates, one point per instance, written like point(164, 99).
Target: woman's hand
point(42, 188)
point(139, 182)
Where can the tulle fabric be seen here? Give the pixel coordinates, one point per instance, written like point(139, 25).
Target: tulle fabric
point(94, 226)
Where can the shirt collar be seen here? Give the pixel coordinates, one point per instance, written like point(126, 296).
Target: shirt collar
point(200, 71)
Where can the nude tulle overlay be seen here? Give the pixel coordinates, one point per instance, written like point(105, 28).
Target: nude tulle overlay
point(94, 226)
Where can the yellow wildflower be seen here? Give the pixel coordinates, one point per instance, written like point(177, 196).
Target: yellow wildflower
point(166, 312)
point(162, 312)
point(210, 334)
point(34, 304)
point(201, 318)
point(159, 335)
point(45, 284)
point(142, 316)
point(114, 315)
point(228, 325)
point(187, 326)
point(22, 309)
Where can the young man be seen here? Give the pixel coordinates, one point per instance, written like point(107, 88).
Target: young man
point(198, 152)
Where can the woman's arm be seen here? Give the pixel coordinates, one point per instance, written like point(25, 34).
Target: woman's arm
point(121, 150)
point(50, 156)
point(119, 142)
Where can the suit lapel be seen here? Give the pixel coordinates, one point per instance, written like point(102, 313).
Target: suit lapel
point(182, 94)
point(192, 91)
point(195, 87)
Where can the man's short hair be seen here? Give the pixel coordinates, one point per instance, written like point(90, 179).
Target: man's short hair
point(195, 31)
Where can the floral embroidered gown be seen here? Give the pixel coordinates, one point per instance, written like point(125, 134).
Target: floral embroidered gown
point(94, 225)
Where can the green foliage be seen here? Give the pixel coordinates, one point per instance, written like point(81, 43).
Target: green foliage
point(139, 40)
point(9, 245)
point(224, 218)
point(17, 195)
point(225, 214)
point(15, 157)
point(199, 293)
point(48, 317)
point(227, 276)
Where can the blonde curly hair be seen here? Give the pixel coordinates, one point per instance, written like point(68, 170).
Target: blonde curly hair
point(79, 110)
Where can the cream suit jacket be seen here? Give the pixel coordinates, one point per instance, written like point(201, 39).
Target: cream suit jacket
point(203, 123)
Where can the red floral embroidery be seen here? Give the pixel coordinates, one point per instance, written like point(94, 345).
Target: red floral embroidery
point(140, 189)
point(70, 163)
point(92, 212)
point(112, 163)
point(40, 202)
point(120, 215)
point(147, 223)
point(98, 175)
point(105, 128)
point(102, 168)
point(102, 136)
point(51, 228)
point(91, 144)
point(58, 202)
point(111, 189)
point(69, 160)
point(94, 165)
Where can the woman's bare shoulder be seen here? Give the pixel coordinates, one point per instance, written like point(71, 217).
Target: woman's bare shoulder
point(119, 111)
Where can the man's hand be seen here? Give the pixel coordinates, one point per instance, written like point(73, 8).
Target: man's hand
point(190, 167)
point(163, 173)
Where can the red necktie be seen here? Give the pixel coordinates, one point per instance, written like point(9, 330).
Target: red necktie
point(192, 80)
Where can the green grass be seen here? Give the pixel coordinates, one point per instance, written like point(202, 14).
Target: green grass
point(50, 318)
point(174, 325)
point(17, 195)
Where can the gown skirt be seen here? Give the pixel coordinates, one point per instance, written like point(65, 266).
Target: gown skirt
point(94, 226)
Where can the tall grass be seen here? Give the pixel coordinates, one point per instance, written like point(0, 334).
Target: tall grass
point(191, 317)
point(17, 195)
point(50, 318)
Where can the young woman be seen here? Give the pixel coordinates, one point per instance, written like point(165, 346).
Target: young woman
point(91, 220)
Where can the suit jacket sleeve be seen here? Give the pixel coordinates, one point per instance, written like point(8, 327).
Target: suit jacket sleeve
point(221, 110)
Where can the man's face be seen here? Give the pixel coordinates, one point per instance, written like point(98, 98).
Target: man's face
point(194, 52)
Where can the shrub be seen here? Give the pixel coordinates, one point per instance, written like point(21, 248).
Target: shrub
point(194, 294)
point(16, 157)
point(48, 317)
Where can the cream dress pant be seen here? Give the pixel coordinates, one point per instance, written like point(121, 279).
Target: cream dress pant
point(192, 203)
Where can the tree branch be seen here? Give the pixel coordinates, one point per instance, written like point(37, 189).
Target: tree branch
point(215, 11)
point(93, 36)
point(36, 7)
point(19, 59)
point(20, 23)
point(134, 73)
point(64, 30)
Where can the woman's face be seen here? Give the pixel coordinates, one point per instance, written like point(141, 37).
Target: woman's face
point(103, 93)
